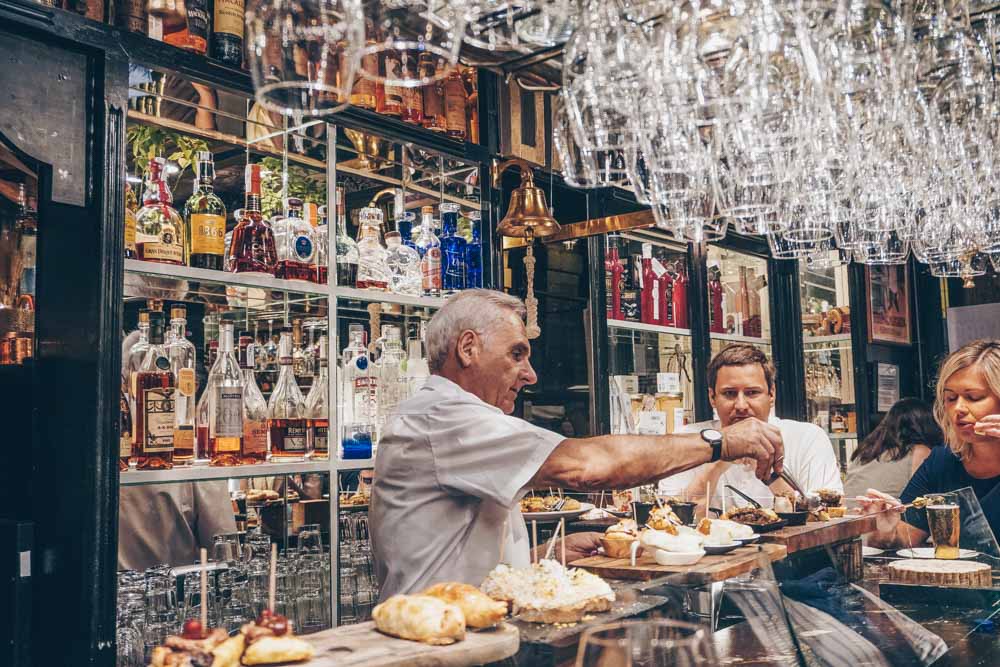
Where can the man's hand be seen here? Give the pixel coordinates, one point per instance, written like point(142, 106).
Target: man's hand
point(757, 440)
point(988, 426)
point(578, 546)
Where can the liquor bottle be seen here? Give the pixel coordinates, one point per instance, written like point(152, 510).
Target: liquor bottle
point(205, 216)
point(252, 249)
point(648, 311)
point(614, 272)
point(286, 423)
point(125, 430)
point(131, 206)
point(474, 255)
point(359, 397)
point(665, 315)
point(434, 116)
point(191, 33)
point(131, 15)
point(26, 226)
point(298, 350)
point(227, 32)
point(136, 355)
point(154, 409)
point(181, 353)
point(454, 105)
point(220, 413)
point(322, 234)
point(417, 370)
point(390, 102)
point(227, 262)
point(413, 97)
point(429, 248)
point(471, 78)
point(318, 406)
point(294, 241)
point(404, 225)
point(372, 271)
point(453, 250)
point(716, 321)
point(363, 92)
point(465, 225)
point(347, 249)
point(393, 386)
point(254, 406)
point(159, 229)
point(403, 264)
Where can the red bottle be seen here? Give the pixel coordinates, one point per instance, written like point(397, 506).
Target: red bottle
point(716, 323)
point(613, 267)
point(665, 301)
point(647, 301)
point(252, 248)
point(679, 297)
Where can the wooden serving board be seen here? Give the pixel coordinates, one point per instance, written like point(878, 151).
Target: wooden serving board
point(812, 535)
point(707, 570)
point(362, 645)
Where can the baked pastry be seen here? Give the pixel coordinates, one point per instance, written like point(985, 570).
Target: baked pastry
point(547, 592)
point(570, 504)
point(830, 497)
point(420, 618)
point(836, 512)
point(663, 518)
point(261, 495)
point(192, 648)
point(270, 640)
point(479, 609)
point(617, 540)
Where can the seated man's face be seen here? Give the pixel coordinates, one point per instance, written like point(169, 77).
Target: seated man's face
point(741, 392)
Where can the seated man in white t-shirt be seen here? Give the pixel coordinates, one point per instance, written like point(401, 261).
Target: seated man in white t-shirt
point(741, 385)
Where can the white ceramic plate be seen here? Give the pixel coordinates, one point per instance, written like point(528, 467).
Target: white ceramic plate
point(748, 540)
point(928, 552)
point(867, 551)
point(555, 516)
point(677, 557)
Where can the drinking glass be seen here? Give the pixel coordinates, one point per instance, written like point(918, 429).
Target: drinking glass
point(652, 643)
point(945, 524)
point(310, 539)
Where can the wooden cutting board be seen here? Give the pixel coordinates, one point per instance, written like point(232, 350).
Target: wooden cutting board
point(812, 535)
point(707, 570)
point(362, 645)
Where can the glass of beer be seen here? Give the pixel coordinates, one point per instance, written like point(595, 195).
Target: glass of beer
point(943, 519)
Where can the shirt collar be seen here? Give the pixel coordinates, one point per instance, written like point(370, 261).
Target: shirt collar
point(439, 383)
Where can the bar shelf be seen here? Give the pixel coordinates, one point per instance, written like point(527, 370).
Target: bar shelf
point(652, 328)
point(197, 473)
point(733, 338)
point(223, 277)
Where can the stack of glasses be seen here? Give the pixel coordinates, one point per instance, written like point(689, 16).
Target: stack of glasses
point(358, 588)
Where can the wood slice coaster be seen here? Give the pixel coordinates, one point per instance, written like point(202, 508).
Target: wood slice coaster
point(964, 573)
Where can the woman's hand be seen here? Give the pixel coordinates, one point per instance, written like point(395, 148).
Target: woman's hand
point(988, 426)
point(887, 510)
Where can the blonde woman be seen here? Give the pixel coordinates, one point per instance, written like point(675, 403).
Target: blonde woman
point(967, 407)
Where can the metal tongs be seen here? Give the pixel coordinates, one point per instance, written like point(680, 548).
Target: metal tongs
point(783, 475)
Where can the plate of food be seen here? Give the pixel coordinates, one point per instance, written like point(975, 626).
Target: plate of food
point(760, 519)
point(548, 592)
point(868, 552)
point(552, 508)
point(928, 552)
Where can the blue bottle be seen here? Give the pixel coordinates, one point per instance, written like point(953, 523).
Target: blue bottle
point(474, 255)
point(404, 225)
point(453, 249)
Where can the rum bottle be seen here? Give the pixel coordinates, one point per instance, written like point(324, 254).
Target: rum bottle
point(252, 248)
point(222, 418)
point(455, 105)
point(227, 31)
point(453, 250)
point(205, 215)
point(254, 405)
point(363, 92)
point(286, 422)
point(295, 243)
point(154, 412)
point(159, 229)
point(372, 270)
point(181, 353)
point(346, 248)
point(318, 406)
point(429, 248)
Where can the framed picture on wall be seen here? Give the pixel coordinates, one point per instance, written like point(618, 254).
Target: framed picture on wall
point(888, 289)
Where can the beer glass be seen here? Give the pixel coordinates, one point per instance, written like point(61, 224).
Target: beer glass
point(944, 521)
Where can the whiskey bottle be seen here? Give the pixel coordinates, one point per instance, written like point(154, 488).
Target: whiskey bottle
point(125, 431)
point(372, 270)
point(413, 97)
point(205, 216)
point(254, 405)
point(136, 355)
point(295, 243)
point(154, 411)
point(252, 249)
point(227, 32)
point(181, 353)
point(471, 77)
point(390, 102)
point(159, 229)
point(429, 248)
point(131, 206)
point(221, 419)
point(346, 247)
point(322, 233)
point(189, 29)
point(433, 102)
point(453, 250)
point(363, 92)
point(318, 406)
point(286, 422)
point(455, 103)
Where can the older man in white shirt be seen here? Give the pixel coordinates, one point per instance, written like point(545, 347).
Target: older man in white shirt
point(452, 463)
point(741, 387)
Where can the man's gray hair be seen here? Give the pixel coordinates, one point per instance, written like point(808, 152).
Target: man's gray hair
point(475, 309)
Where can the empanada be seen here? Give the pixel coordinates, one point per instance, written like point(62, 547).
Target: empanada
point(272, 649)
point(420, 618)
point(227, 654)
point(480, 610)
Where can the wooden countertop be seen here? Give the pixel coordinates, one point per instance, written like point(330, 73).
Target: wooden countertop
point(812, 535)
point(708, 569)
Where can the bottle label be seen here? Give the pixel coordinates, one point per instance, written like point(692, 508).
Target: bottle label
point(320, 442)
point(454, 109)
point(229, 16)
point(295, 437)
point(184, 438)
point(208, 234)
point(186, 383)
point(255, 437)
point(430, 269)
point(226, 416)
point(158, 406)
point(163, 247)
point(129, 230)
point(302, 248)
point(125, 445)
point(197, 18)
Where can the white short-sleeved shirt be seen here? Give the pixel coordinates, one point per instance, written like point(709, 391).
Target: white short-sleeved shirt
point(449, 474)
point(809, 459)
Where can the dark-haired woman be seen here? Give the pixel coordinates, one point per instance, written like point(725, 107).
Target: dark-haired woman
point(889, 456)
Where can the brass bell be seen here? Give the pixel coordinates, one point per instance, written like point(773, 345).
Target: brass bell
point(528, 213)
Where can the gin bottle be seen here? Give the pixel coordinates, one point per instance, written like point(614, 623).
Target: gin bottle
point(474, 254)
point(286, 423)
point(403, 264)
point(429, 248)
point(372, 270)
point(318, 406)
point(453, 250)
point(347, 249)
point(181, 353)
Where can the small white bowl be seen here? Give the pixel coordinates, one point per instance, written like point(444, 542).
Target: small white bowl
point(677, 557)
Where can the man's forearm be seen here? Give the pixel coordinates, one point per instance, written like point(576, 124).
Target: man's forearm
point(620, 461)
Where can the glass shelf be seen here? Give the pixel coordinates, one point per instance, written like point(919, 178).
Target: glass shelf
point(196, 473)
point(733, 338)
point(224, 277)
point(653, 328)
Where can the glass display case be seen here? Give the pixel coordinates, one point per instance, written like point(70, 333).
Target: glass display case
point(828, 356)
point(738, 299)
point(18, 237)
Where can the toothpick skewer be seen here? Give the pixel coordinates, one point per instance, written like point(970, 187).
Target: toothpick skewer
point(552, 545)
point(204, 590)
point(600, 502)
point(534, 541)
point(273, 580)
point(562, 525)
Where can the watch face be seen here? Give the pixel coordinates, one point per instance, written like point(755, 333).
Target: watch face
point(711, 434)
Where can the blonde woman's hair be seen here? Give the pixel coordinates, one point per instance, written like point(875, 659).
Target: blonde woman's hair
point(983, 353)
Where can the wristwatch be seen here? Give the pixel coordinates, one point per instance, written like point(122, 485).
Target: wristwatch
point(714, 438)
